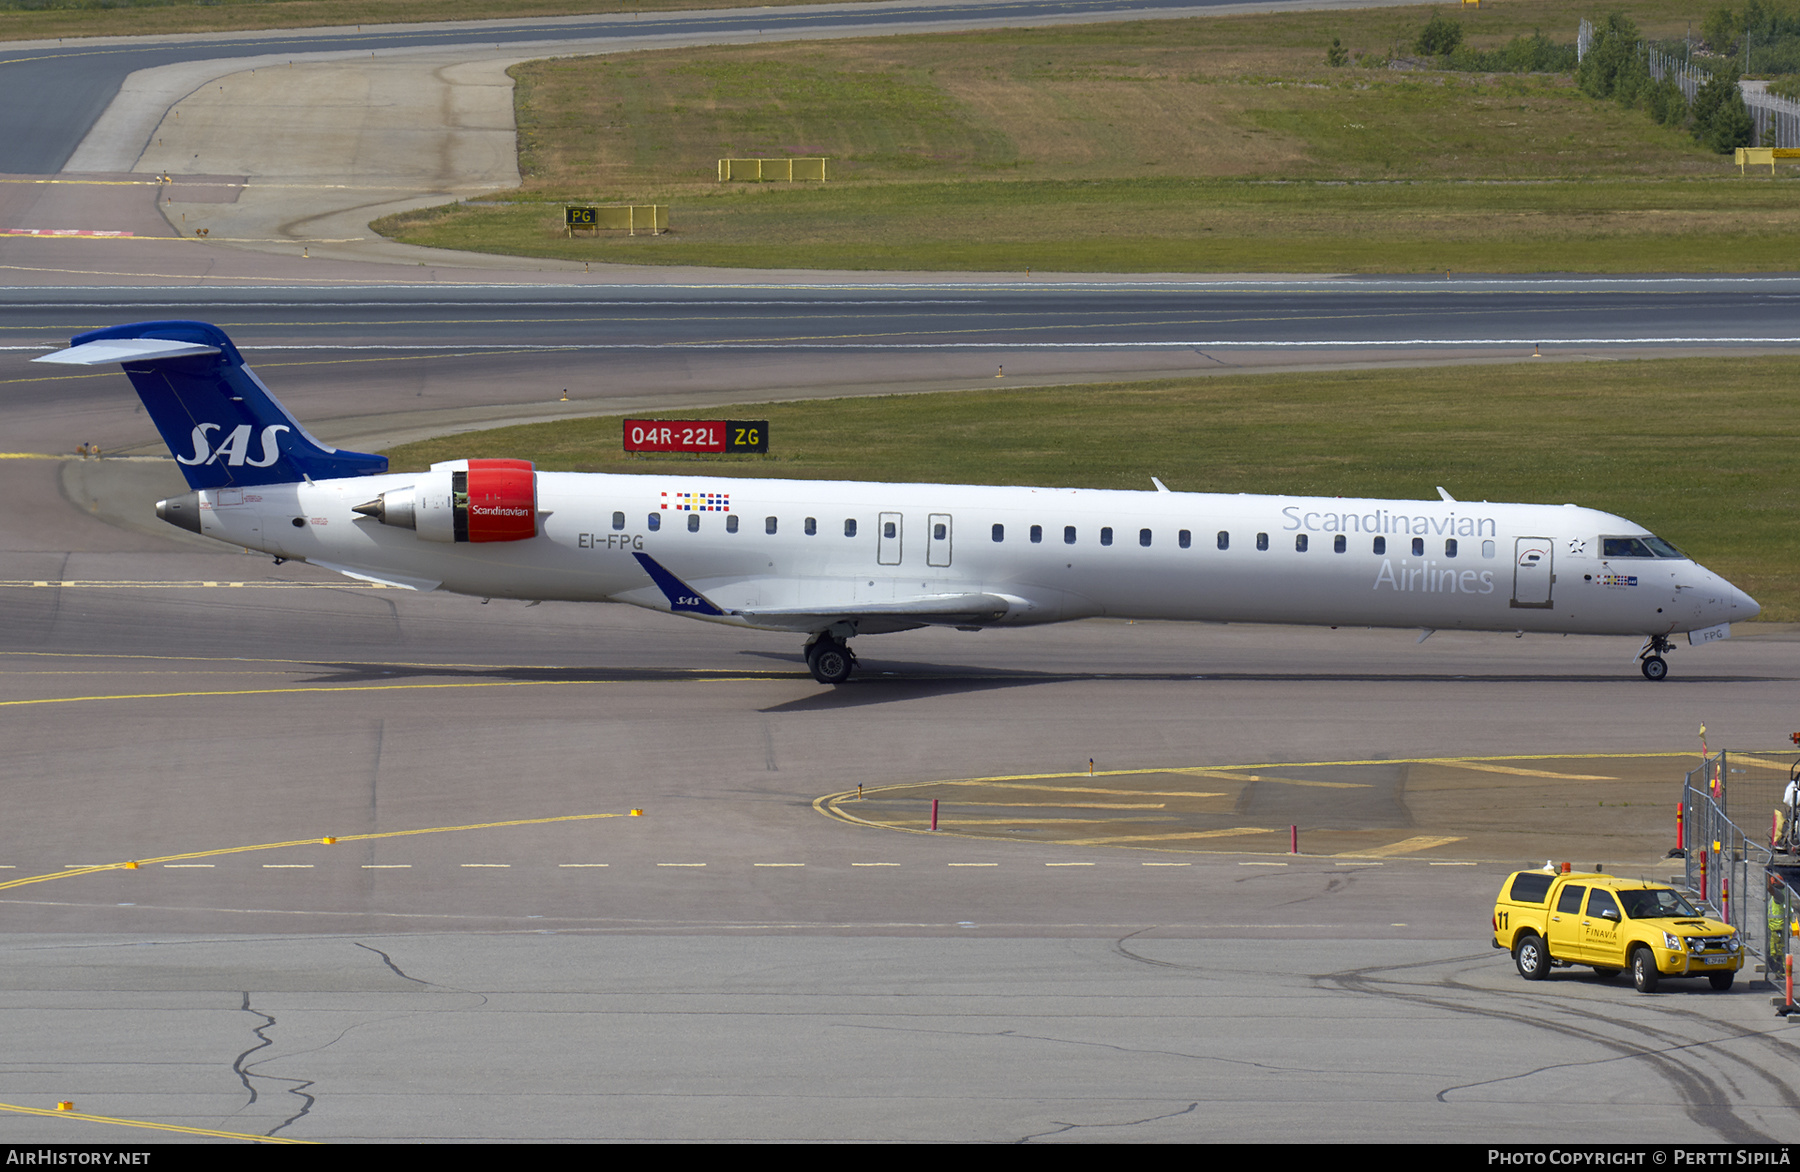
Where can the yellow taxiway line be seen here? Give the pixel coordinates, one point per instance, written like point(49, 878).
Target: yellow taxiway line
point(214, 1132)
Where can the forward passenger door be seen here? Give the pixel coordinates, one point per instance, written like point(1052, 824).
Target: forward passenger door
point(1532, 572)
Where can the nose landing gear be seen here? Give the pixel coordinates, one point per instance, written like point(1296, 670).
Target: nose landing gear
point(829, 660)
point(1650, 657)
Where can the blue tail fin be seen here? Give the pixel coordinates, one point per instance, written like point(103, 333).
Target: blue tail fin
point(222, 424)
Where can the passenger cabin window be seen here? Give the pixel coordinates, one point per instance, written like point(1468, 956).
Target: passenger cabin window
point(1487, 549)
point(999, 533)
point(939, 531)
point(655, 522)
point(1068, 535)
point(731, 522)
point(888, 529)
point(693, 522)
point(1339, 544)
point(1106, 535)
point(768, 525)
point(1299, 543)
point(1184, 539)
point(812, 527)
point(1224, 539)
point(1381, 545)
point(1418, 547)
point(619, 520)
point(1450, 547)
point(1262, 541)
point(1144, 538)
point(1037, 534)
point(849, 526)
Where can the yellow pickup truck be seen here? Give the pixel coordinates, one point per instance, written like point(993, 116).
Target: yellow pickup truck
point(1611, 924)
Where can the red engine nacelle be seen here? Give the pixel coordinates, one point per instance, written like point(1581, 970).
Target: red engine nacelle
point(485, 500)
point(495, 500)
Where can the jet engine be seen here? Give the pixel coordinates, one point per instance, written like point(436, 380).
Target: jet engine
point(465, 500)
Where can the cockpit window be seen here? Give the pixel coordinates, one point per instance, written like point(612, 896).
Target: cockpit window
point(1638, 547)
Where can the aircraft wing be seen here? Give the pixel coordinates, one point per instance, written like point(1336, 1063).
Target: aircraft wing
point(926, 609)
point(958, 609)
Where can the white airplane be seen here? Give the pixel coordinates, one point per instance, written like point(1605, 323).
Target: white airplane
point(835, 559)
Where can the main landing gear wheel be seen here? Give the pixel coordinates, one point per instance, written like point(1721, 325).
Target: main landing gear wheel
point(830, 661)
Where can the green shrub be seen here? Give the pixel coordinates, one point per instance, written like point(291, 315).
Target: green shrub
point(1440, 36)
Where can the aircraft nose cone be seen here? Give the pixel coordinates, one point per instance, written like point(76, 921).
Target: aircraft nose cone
point(1743, 606)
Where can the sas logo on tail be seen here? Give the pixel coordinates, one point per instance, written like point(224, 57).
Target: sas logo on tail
point(234, 450)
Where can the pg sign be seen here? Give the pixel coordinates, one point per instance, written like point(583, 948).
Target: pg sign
point(697, 435)
point(574, 217)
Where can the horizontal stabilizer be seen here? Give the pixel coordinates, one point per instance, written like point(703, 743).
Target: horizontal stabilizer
point(224, 427)
point(106, 353)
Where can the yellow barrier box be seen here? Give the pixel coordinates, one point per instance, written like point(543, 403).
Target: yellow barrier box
point(759, 170)
point(633, 218)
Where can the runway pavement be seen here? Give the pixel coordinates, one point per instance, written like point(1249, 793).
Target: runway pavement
point(494, 947)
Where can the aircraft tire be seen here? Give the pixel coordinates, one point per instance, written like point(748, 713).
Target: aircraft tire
point(1655, 667)
point(830, 661)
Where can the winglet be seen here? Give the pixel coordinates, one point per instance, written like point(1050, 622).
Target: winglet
point(683, 599)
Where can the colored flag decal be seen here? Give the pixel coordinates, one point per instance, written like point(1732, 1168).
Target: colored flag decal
point(1618, 579)
point(697, 502)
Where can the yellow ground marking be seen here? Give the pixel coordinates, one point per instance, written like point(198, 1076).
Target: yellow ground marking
point(103, 655)
point(35, 456)
point(1240, 777)
point(1001, 822)
point(269, 846)
point(1070, 805)
point(1180, 834)
point(260, 1139)
point(1405, 846)
point(1517, 772)
point(1082, 789)
point(362, 688)
point(839, 805)
point(1743, 759)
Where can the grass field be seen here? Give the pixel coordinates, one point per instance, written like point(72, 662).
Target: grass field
point(1702, 452)
point(1218, 144)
